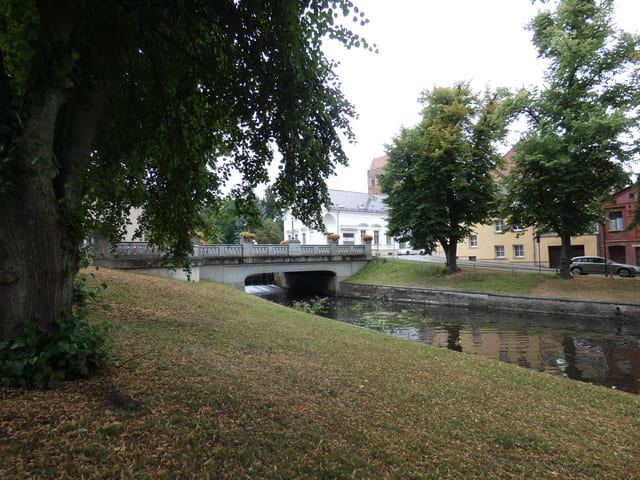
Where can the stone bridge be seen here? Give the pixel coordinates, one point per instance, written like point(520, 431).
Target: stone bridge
point(320, 268)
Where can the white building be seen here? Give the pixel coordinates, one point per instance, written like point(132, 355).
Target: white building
point(352, 215)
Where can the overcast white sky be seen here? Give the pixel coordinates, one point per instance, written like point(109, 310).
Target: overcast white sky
point(427, 43)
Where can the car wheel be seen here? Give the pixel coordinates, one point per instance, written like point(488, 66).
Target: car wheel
point(576, 271)
point(624, 272)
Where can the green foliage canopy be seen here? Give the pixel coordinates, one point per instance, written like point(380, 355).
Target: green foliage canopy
point(438, 175)
point(581, 122)
point(195, 91)
point(109, 105)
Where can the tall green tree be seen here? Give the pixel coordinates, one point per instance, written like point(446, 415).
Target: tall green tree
point(438, 176)
point(223, 222)
point(108, 105)
point(579, 123)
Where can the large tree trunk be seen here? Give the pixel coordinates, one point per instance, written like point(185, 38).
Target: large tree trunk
point(37, 256)
point(451, 253)
point(41, 207)
point(565, 257)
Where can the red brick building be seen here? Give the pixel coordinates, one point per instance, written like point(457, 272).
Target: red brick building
point(376, 168)
point(621, 246)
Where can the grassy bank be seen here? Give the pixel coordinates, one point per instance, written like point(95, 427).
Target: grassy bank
point(418, 274)
point(214, 383)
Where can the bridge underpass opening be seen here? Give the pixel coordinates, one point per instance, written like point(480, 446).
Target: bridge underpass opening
point(309, 283)
point(260, 279)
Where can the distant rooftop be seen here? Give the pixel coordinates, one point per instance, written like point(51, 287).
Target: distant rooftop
point(379, 162)
point(357, 201)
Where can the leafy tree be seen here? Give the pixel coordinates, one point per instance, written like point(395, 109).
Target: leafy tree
point(108, 105)
point(270, 207)
point(223, 222)
point(270, 231)
point(570, 159)
point(438, 175)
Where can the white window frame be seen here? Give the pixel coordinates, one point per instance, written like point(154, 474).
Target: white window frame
point(498, 248)
point(498, 226)
point(348, 238)
point(473, 241)
point(616, 223)
point(515, 251)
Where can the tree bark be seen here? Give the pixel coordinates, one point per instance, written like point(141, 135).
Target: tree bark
point(42, 204)
point(451, 253)
point(38, 259)
point(565, 257)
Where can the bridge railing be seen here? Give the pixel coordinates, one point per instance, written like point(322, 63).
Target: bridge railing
point(247, 250)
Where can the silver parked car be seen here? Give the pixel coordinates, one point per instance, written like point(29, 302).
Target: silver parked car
point(586, 265)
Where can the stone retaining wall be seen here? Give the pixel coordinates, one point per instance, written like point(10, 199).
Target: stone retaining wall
point(495, 301)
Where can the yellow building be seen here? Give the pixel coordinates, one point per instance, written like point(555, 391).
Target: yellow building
point(494, 242)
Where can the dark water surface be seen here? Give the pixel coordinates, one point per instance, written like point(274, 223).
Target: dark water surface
point(602, 352)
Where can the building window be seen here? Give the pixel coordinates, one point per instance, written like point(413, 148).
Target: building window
point(473, 241)
point(388, 240)
point(362, 233)
point(498, 226)
point(499, 251)
point(615, 221)
point(376, 237)
point(304, 238)
point(348, 239)
point(517, 228)
point(518, 251)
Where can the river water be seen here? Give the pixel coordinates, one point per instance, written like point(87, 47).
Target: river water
point(595, 351)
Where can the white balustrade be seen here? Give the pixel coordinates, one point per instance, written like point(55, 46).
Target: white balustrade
point(144, 249)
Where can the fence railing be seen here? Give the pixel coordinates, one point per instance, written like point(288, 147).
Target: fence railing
point(144, 249)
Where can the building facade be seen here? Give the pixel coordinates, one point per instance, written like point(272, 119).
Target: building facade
point(495, 242)
point(617, 243)
point(375, 169)
point(352, 215)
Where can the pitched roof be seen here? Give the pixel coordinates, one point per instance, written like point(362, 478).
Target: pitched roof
point(379, 162)
point(357, 202)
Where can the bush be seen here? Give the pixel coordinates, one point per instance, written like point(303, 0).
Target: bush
point(75, 348)
point(315, 305)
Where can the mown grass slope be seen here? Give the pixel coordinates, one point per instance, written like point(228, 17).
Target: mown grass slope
point(214, 383)
point(431, 275)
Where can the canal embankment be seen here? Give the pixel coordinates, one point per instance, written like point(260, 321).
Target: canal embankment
point(488, 301)
point(214, 383)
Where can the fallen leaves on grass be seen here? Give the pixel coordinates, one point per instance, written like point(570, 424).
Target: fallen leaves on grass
point(217, 384)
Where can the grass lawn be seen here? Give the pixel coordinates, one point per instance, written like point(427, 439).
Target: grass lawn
point(421, 274)
point(214, 383)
